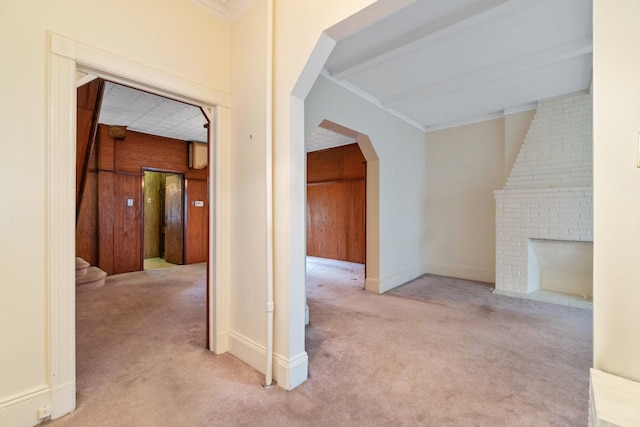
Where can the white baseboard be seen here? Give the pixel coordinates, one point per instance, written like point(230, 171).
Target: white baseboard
point(291, 373)
point(288, 373)
point(221, 343)
point(372, 285)
point(613, 401)
point(458, 272)
point(387, 283)
point(63, 400)
point(22, 409)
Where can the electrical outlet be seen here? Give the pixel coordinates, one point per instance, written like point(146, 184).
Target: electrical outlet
point(44, 412)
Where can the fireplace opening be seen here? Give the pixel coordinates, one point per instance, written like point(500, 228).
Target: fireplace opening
point(561, 266)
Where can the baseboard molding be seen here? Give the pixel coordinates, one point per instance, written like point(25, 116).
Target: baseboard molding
point(387, 283)
point(63, 400)
point(372, 285)
point(288, 373)
point(550, 297)
point(221, 343)
point(291, 373)
point(22, 409)
point(613, 400)
point(458, 272)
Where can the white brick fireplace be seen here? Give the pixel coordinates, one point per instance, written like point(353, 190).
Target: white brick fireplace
point(544, 214)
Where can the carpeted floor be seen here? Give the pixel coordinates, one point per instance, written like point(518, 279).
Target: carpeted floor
point(435, 352)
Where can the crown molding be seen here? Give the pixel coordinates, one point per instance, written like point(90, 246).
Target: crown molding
point(227, 9)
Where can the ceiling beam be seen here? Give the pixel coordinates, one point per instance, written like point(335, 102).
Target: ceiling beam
point(494, 72)
point(436, 32)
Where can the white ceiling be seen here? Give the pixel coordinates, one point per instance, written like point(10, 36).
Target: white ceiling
point(148, 113)
point(322, 138)
point(435, 64)
point(439, 63)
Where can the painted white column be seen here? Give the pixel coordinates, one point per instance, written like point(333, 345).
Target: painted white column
point(60, 228)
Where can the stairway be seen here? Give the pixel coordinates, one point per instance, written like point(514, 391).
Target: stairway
point(88, 277)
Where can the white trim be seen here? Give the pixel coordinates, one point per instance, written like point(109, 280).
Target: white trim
point(488, 276)
point(484, 118)
point(66, 56)
point(22, 408)
point(293, 372)
point(226, 9)
point(549, 297)
point(124, 71)
point(613, 400)
point(400, 278)
point(519, 109)
point(372, 285)
point(60, 230)
point(23, 396)
point(86, 78)
point(219, 227)
point(247, 350)
point(289, 373)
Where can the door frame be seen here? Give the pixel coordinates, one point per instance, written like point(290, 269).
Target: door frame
point(184, 209)
point(65, 58)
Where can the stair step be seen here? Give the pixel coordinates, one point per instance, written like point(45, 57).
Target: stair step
point(81, 267)
point(94, 278)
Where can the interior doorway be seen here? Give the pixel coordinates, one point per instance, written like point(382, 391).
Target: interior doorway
point(65, 73)
point(336, 203)
point(164, 219)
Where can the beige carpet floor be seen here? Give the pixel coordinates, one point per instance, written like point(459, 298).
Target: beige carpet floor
point(434, 352)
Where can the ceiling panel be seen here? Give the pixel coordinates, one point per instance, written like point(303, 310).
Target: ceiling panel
point(322, 139)
point(148, 113)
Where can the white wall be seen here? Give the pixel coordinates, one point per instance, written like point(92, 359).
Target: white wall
point(465, 165)
point(247, 185)
point(174, 36)
point(298, 28)
point(616, 121)
point(402, 156)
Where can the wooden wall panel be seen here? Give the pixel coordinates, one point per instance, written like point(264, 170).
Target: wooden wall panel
point(87, 226)
point(113, 160)
point(106, 149)
point(355, 221)
point(174, 219)
point(139, 150)
point(197, 222)
point(346, 162)
point(335, 219)
point(86, 102)
point(336, 205)
point(105, 220)
point(127, 224)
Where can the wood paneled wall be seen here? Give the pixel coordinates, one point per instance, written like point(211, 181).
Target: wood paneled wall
point(109, 233)
point(336, 188)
